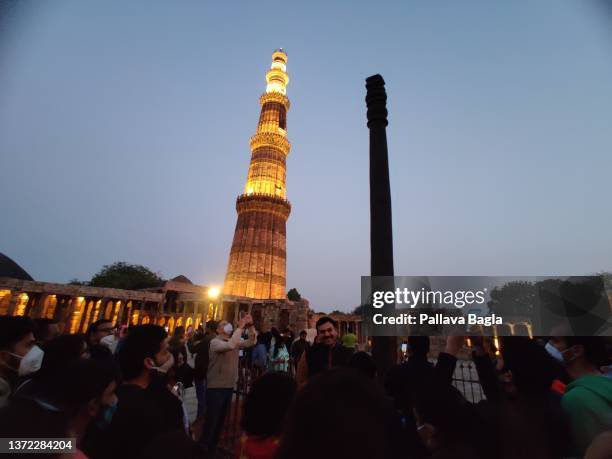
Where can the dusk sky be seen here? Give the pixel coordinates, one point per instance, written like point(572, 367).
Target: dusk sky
point(125, 125)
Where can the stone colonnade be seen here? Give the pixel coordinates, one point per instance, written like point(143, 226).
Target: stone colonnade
point(75, 307)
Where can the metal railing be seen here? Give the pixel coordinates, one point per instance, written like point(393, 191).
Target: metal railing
point(465, 379)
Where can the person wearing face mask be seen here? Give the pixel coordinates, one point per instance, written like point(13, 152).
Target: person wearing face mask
point(31, 362)
point(84, 390)
point(139, 417)
point(58, 353)
point(177, 388)
point(45, 330)
point(588, 398)
point(98, 330)
point(169, 403)
point(111, 341)
point(78, 402)
point(222, 376)
point(16, 344)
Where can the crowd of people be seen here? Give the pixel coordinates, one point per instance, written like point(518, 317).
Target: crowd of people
point(120, 393)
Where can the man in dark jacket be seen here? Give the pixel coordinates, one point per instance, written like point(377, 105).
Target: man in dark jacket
point(200, 348)
point(327, 353)
point(140, 415)
point(299, 346)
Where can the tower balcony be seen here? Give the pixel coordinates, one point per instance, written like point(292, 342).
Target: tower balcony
point(263, 202)
point(270, 139)
point(275, 97)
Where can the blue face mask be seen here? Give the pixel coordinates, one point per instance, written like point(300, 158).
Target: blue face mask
point(554, 352)
point(105, 416)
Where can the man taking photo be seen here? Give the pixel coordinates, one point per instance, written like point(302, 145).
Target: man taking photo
point(222, 375)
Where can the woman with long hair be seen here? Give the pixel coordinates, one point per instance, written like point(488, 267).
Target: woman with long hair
point(278, 356)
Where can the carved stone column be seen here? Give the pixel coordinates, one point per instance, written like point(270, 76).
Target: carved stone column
point(14, 300)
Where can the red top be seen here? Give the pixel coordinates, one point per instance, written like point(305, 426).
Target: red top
point(558, 387)
point(256, 448)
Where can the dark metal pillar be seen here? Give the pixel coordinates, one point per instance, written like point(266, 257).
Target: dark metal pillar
point(384, 348)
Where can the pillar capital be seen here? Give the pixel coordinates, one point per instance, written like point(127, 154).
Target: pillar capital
point(376, 101)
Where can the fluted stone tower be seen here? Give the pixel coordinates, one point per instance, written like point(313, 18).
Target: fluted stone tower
point(257, 261)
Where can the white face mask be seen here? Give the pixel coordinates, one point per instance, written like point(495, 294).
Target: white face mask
point(28, 363)
point(166, 366)
point(554, 352)
point(31, 362)
point(110, 342)
point(110, 339)
point(228, 328)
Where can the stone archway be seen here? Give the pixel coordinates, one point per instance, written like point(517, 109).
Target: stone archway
point(5, 301)
point(96, 311)
point(85, 322)
point(134, 318)
point(76, 315)
point(108, 310)
point(115, 314)
point(171, 325)
point(48, 307)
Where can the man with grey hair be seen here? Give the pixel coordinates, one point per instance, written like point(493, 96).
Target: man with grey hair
point(200, 346)
point(222, 376)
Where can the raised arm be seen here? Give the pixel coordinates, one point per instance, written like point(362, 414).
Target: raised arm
point(251, 338)
point(194, 345)
point(219, 346)
point(486, 371)
point(447, 360)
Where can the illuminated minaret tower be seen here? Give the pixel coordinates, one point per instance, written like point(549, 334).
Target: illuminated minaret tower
point(257, 260)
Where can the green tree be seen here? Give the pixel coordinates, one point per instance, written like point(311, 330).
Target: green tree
point(359, 310)
point(514, 298)
point(75, 281)
point(294, 295)
point(126, 276)
point(607, 279)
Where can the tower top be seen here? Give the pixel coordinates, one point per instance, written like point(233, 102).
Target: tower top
point(277, 77)
point(281, 52)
